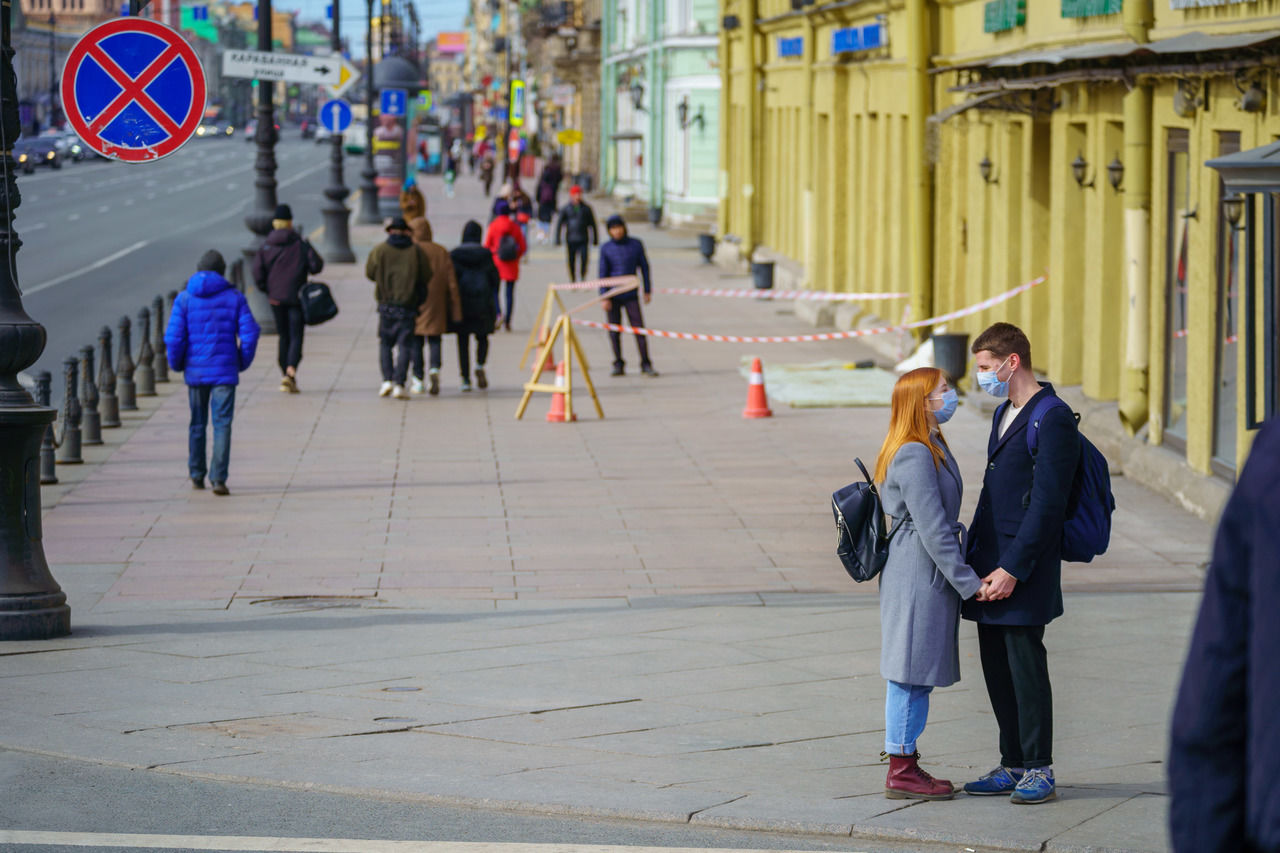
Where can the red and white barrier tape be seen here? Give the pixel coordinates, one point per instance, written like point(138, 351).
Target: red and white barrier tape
point(821, 336)
point(741, 293)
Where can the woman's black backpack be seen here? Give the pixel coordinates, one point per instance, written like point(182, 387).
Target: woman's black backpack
point(862, 536)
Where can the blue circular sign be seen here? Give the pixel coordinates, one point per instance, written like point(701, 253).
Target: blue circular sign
point(335, 116)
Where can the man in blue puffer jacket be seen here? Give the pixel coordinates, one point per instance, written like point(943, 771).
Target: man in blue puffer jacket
point(624, 255)
point(211, 338)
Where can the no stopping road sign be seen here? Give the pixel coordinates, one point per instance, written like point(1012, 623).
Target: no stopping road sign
point(133, 90)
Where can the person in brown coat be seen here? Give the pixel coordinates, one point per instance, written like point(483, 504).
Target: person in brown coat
point(443, 306)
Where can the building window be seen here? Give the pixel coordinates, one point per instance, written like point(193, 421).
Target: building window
point(1178, 222)
point(1230, 274)
point(679, 16)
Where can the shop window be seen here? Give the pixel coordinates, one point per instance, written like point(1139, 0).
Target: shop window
point(1177, 231)
point(1230, 275)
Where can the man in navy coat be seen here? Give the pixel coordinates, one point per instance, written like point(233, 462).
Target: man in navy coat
point(1015, 546)
point(1225, 741)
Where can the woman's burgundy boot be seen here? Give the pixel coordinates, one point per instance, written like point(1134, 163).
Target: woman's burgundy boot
point(907, 780)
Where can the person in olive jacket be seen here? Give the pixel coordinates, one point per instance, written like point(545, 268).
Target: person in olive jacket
point(1225, 744)
point(280, 269)
point(577, 223)
point(401, 273)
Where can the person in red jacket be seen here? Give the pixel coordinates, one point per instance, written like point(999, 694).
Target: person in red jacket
point(506, 241)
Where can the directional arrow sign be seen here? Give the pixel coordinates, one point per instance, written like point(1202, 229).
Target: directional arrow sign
point(333, 71)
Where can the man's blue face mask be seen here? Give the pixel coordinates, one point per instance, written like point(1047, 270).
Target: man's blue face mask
point(988, 382)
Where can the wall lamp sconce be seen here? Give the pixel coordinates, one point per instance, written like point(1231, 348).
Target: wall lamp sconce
point(984, 169)
point(637, 96)
point(1079, 167)
point(1252, 99)
point(682, 111)
point(1115, 173)
point(1233, 208)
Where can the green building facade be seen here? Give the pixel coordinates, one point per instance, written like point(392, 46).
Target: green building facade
point(660, 98)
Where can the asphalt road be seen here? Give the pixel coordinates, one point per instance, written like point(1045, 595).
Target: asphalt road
point(47, 796)
point(101, 239)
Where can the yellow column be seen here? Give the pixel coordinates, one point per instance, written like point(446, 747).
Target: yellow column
point(1134, 397)
point(750, 104)
point(808, 167)
point(726, 82)
point(919, 183)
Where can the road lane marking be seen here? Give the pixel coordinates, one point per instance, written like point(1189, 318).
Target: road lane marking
point(272, 844)
point(103, 209)
point(36, 227)
point(102, 262)
point(73, 217)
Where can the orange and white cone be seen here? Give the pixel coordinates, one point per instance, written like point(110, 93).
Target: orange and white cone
point(757, 400)
point(556, 414)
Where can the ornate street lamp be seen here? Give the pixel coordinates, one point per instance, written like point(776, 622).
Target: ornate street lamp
point(337, 219)
point(368, 187)
point(32, 605)
point(264, 199)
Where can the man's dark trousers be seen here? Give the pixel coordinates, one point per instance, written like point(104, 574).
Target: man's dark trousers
point(395, 329)
point(1016, 668)
point(578, 253)
point(290, 328)
point(635, 318)
point(419, 362)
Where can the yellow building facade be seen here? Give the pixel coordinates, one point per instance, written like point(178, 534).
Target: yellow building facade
point(956, 149)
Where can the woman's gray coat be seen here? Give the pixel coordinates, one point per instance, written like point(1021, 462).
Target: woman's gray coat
point(925, 577)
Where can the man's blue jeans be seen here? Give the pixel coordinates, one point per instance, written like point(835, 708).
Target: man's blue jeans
point(906, 708)
point(219, 401)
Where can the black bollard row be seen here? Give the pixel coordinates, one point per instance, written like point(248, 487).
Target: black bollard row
point(69, 447)
point(91, 431)
point(125, 389)
point(162, 358)
point(48, 446)
point(108, 403)
point(145, 375)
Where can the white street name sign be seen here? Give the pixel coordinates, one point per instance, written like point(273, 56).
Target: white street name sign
point(332, 71)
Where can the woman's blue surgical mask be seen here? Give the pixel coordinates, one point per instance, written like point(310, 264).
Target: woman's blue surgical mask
point(950, 400)
point(988, 382)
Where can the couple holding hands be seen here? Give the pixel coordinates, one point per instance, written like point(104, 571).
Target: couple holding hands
point(1006, 577)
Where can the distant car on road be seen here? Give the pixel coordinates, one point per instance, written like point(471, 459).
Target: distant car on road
point(355, 137)
point(215, 130)
point(37, 151)
point(63, 142)
point(251, 130)
point(322, 133)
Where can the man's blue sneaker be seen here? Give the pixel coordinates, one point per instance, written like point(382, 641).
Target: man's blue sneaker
point(1035, 786)
point(1002, 780)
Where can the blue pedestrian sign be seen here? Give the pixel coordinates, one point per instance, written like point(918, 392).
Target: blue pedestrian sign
point(394, 102)
point(335, 116)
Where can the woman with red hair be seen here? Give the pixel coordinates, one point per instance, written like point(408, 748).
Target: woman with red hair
point(925, 578)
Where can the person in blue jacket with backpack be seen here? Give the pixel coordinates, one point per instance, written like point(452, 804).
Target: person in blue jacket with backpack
point(1015, 546)
point(211, 338)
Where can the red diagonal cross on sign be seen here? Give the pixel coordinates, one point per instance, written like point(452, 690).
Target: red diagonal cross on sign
point(133, 89)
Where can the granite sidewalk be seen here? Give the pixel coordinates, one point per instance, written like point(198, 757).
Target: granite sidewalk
point(638, 616)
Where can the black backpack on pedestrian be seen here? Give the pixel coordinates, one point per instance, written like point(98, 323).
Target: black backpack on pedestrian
point(862, 536)
point(317, 303)
point(508, 248)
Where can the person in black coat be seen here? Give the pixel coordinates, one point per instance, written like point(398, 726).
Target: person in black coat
point(1015, 546)
point(280, 268)
point(624, 255)
point(1225, 744)
point(478, 282)
point(577, 224)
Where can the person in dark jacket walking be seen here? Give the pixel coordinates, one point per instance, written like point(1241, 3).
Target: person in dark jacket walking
point(624, 255)
point(401, 273)
point(548, 193)
point(280, 269)
point(577, 223)
point(211, 338)
point(1225, 744)
point(1015, 546)
point(478, 282)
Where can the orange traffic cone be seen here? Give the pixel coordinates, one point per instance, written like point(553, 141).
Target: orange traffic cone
point(556, 414)
point(757, 401)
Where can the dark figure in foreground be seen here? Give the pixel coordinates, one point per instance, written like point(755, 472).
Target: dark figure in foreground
point(478, 282)
point(211, 338)
point(1225, 742)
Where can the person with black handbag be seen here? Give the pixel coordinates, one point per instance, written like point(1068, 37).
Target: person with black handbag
point(925, 577)
point(280, 269)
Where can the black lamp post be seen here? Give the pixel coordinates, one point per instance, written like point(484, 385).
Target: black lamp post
point(368, 188)
point(53, 68)
point(337, 219)
point(264, 206)
point(32, 605)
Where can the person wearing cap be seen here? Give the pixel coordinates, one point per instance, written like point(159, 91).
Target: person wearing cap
point(506, 241)
point(577, 223)
point(211, 338)
point(624, 255)
point(401, 273)
point(280, 269)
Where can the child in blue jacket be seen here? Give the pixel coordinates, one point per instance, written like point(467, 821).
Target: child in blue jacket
point(211, 338)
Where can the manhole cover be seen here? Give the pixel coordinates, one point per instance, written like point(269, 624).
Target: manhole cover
point(401, 689)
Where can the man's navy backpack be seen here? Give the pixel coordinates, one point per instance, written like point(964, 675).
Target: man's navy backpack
point(1086, 531)
point(508, 248)
point(862, 537)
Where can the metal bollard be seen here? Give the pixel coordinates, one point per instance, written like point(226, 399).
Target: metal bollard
point(145, 376)
point(48, 470)
point(108, 403)
point(162, 358)
point(91, 432)
point(69, 447)
point(125, 389)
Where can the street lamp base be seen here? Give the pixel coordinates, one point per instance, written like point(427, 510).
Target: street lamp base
point(43, 616)
point(337, 236)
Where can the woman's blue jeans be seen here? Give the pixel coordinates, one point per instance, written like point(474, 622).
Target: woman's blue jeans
point(220, 402)
point(906, 708)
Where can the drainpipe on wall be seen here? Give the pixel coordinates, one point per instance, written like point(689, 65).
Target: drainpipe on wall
point(1134, 401)
point(749, 104)
point(656, 63)
point(726, 81)
point(919, 172)
point(808, 199)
